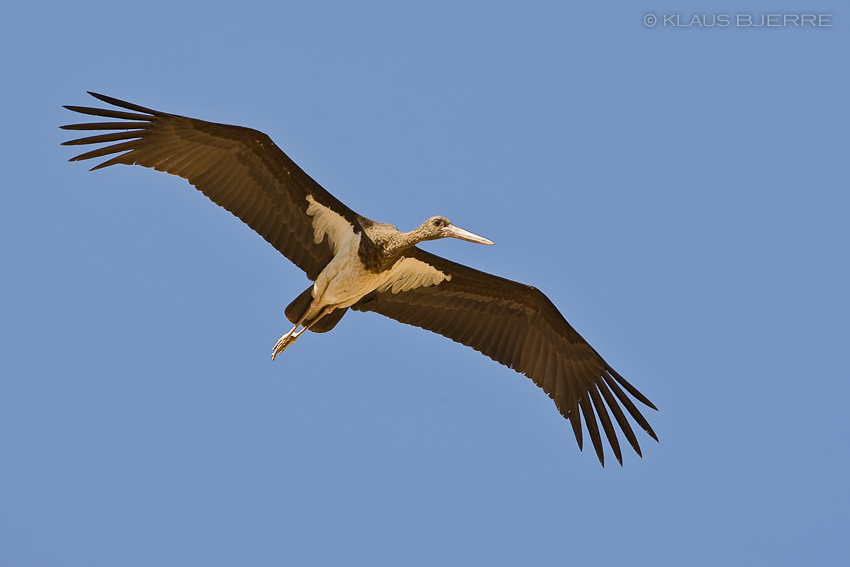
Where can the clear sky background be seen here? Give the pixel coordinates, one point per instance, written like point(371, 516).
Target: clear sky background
point(681, 193)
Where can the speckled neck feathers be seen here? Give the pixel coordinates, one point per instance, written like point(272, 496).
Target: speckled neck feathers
point(383, 244)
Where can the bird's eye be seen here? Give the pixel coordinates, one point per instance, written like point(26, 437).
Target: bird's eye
point(437, 222)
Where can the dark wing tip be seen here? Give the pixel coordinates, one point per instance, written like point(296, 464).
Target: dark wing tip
point(128, 132)
point(574, 418)
point(631, 389)
point(607, 425)
point(592, 428)
point(140, 113)
point(123, 104)
point(604, 403)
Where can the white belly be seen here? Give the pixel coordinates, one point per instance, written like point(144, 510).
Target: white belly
point(344, 280)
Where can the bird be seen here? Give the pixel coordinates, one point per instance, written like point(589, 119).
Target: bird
point(363, 265)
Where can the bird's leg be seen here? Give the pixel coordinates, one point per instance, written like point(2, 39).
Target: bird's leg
point(292, 335)
point(284, 341)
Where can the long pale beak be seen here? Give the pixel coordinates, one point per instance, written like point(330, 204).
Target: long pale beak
point(456, 232)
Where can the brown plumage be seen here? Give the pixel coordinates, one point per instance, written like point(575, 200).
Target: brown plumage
point(243, 171)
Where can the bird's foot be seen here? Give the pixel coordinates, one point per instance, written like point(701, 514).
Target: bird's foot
point(286, 340)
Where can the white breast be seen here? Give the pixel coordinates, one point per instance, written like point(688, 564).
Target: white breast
point(344, 281)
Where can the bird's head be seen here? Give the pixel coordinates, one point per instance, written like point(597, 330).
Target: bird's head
point(441, 227)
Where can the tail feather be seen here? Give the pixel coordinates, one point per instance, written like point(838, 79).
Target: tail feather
point(298, 308)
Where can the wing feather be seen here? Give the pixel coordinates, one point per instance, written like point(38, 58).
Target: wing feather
point(516, 325)
point(238, 168)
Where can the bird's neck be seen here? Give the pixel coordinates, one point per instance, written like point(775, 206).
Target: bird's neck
point(411, 239)
point(381, 254)
point(393, 249)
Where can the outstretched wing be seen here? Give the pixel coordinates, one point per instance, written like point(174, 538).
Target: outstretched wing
point(238, 168)
point(518, 326)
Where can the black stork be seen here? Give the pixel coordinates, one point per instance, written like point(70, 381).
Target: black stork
point(364, 265)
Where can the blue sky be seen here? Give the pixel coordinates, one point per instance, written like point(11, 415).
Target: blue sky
point(681, 193)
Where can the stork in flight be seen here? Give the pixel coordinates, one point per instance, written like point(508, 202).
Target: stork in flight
point(365, 265)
